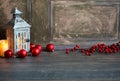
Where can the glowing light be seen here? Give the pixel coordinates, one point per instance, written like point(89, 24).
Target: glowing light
point(3, 47)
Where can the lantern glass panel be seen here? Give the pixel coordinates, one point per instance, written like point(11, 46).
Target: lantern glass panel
point(24, 34)
point(19, 41)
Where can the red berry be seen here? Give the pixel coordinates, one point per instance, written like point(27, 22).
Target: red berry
point(67, 51)
point(82, 50)
point(87, 53)
point(73, 49)
point(77, 46)
point(114, 51)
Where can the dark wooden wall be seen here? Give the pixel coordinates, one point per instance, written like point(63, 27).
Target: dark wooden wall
point(35, 12)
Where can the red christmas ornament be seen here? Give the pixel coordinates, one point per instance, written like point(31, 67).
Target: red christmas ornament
point(32, 46)
point(8, 54)
point(50, 47)
point(39, 47)
point(22, 53)
point(35, 51)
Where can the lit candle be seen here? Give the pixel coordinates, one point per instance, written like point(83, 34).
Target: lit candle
point(3, 47)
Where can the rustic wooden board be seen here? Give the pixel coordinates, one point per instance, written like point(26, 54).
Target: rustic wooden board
point(40, 29)
point(83, 20)
point(6, 7)
point(37, 13)
point(58, 66)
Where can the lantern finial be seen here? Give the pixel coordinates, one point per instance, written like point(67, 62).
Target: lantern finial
point(15, 11)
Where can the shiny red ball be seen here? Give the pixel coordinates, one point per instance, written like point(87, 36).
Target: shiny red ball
point(8, 54)
point(35, 51)
point(39, 47)
point(50, 47)
point(32, 46)
point(22, 53)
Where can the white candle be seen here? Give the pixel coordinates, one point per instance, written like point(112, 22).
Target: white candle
point(3, 47)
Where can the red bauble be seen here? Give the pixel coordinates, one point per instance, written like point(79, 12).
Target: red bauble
point(32, 46)
point(22, 53)
point(35, 51)
point(50, 47)
point(8, 54)
point(39, 47)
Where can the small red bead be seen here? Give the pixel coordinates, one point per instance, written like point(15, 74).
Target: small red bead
point(67, 51)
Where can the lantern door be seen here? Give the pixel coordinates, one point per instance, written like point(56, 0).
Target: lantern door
point(22, 41)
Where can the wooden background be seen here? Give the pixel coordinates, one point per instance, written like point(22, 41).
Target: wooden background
point(35, 12)
point(74, 21)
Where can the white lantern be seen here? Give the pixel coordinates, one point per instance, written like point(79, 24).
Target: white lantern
point(18, 33)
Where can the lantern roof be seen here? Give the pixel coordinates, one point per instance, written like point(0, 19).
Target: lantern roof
point(16, 11)
point(17, 21)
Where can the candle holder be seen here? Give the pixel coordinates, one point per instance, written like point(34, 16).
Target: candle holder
point(18, 33)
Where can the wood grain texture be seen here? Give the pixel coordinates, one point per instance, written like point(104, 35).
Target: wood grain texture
point(77, 20)
point(40, 30)
point(37, 13)
point(58, 66)
point(6, 7)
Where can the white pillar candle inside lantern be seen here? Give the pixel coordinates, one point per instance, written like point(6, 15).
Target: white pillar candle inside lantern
point(18, 33)
point(3, 47)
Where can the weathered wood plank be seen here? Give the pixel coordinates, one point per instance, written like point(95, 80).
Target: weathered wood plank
point(40, 29)
point(59, 66)
point(5, 13)
point(77, 20)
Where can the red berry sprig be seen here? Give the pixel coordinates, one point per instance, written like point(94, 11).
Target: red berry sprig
point(100, 48)
point(68, 50)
